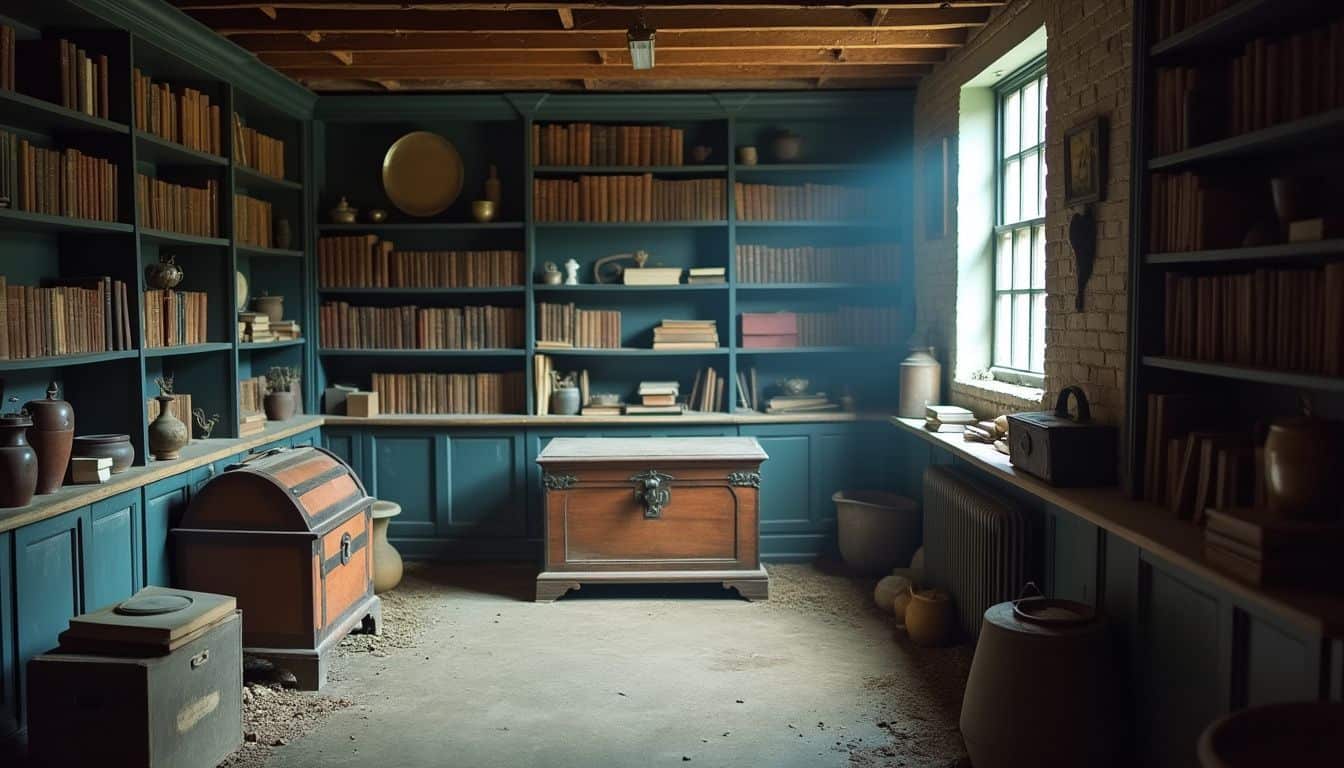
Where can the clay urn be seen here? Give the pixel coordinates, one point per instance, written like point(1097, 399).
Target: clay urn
point(52, 435)
point(18, 460)
point(1303, 457)
point(930, 618)
point(167, 434)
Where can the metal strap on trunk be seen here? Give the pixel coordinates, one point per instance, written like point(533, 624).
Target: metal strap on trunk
point(349, 546)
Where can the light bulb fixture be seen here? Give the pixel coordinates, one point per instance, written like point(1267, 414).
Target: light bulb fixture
point(640, 37)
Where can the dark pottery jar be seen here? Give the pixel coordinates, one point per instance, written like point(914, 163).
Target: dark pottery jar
point(283, 234)
point(18, 461)
point(167, 434)
point(118, 448)
point(279, 406)
point(51, 435)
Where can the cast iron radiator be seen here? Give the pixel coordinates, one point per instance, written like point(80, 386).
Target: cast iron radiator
point(977, 546)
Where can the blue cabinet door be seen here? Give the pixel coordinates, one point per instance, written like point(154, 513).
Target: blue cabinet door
point(9, 680)
point(46, 585)
point(349, 445)
point(165, 503)
point(113, 568)
point(410, 468)
point(485, 481)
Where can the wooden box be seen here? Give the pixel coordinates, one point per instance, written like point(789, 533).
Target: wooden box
point(1060, 449)
point(661, 510)
point(183, 708)
point(363, 404)
point(287, 532)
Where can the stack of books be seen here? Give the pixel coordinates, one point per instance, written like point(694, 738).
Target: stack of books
point(656, 398)
point(84, 470)
point(251, 424)
point(254, 327)
point(947, 418)
point(686, 334)
point(651, 276)
point(611, 409)
point(286, 330)
point(1258, 546)
point(814, 403)
point(251, 393)
point(702, 275)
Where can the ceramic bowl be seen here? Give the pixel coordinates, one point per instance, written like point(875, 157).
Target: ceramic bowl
point(483, 210)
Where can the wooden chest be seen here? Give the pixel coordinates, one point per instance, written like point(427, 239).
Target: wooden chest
point(288, 533)
point(652, 510)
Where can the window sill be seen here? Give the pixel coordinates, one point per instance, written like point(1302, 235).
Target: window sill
point(1004, 397)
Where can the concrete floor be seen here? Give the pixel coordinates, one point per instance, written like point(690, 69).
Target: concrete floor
point(816, 677)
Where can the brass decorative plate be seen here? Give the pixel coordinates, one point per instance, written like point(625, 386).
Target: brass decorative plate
point(422, 173)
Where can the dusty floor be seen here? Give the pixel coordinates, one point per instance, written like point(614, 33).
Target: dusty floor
point(470, 673)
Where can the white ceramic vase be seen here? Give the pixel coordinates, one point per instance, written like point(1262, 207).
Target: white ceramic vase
point(387, 565)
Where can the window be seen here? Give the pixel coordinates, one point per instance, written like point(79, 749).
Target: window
point(1019, 231)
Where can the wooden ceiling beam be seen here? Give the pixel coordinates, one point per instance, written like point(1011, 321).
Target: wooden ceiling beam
point(386, 5)
point(340, 85)
point(917, 58)
point(595, 41)
point(242, 22)
point(597, 72)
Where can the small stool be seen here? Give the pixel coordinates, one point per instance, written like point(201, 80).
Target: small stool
point(387, 567)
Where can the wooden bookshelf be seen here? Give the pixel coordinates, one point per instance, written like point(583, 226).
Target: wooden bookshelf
point(151, 148)
point(189, 349)
point(12, 219)
point(34, 363)
point(21, 110)
point(258, 181)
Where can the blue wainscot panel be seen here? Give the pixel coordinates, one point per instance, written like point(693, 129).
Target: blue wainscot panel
point(112, 561)
point(165, 502)
point(349, 445)
point(409, 467)
point(485, 485)
point(46, 584)
point(9, 679)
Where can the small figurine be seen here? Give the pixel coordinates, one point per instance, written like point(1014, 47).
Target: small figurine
point(571, 272)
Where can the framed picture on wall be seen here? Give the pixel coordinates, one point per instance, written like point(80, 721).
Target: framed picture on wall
point(936, 167)
point(1085, 162)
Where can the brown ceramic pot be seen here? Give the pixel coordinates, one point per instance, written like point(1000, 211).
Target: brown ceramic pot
point(18, 461)
point(118, 448)
point(272, 306)
point(279, 406)
point(167, 434)
point(51, 436)
point(929, 617)
point(1302, 461)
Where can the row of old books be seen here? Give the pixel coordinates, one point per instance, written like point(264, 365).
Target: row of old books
point(438, 393)
point(174, 318)
point(178, 208)
point(588, 144)
point(363, 261)
point(73, 317)
point(7, 58)
point(410, 327)
point(1274, 80)
point(252, 222)
point(686, 334)
point(254, 149)
point(565, 325)
point(1259, 546)
point(815, 402)
point(1190, 212)
point(627, 198)
point(1289, 319)
point(659, 398)
point(804, 202)
point(186, 117)
point(251, 394)
point(1172, 16)
point(875, 263)
point(60, 72)
point(58, 182)
point(846, 326)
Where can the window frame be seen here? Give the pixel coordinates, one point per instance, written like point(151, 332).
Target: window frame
point(1031, 71)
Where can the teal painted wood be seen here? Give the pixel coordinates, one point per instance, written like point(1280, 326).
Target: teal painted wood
point(309, 439)
point(47, 585)
point(9, 674)
point(1071, 551)
point(1272, 663)
point(112, 561)
point(486, 497)
point(165, 501)
point(349, 445)
point(788, 490)
point(409, 467)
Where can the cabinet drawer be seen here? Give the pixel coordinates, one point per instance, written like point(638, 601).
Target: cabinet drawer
point(609, 524)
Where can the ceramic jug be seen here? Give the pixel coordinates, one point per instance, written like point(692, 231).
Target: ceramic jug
point(52, 435)
point(18, 461)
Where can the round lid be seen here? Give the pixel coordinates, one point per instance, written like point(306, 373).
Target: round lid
point(51, 413)
point(153, 605)
point(103, 439)
point(1052, 612)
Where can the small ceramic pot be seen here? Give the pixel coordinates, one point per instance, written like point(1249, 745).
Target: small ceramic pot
point(164, 275)
point(18, 461)
point(929, 618)
point(283, 234)
point(343, 213)
point(387, 565)
point(747, 155)
point(787, 146)
point(565, 401)
point(272, 306)
point(279, 406)
point(483, 210)
point(1302, 459)
point(118, 448)
point(168, 435)
point(377, 215)
point(51, 435)
point(700, 153)
point(551, 274)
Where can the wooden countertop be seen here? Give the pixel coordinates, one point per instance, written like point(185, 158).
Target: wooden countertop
point(520, 420)
point(198, 454)
point(585, 450)
point(1148, 527)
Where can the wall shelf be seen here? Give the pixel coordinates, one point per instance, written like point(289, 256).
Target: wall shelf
point(632, 352)
point(562, 225)
point(1279, 252)
point(1243, 373)
point(35, 363)
point(499, 289)
point(746, 170)
point(832, 350)
point(253, 180)
point(271, 253)
point(612, 288)
point(818, 286)
point(173, 238)
point(417, 226)
point(328, 352)
point(262, 346)
point(814, 224)
point(1297, 136)
point(189, 349)
point(1231, 26)
point(663, 170)
point(160, 151)
point(12, 219)
point(36, 114)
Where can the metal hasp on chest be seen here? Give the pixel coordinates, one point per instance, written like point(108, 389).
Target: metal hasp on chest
point(652, 510)
point(288, 533)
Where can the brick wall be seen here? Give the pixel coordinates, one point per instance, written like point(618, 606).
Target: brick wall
point(1088, 64)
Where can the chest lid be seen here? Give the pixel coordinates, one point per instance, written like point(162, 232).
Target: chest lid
point(299, 490)
point(609, 450)
point(155, 617)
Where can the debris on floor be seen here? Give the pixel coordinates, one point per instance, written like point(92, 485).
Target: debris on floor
point(273, 716)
